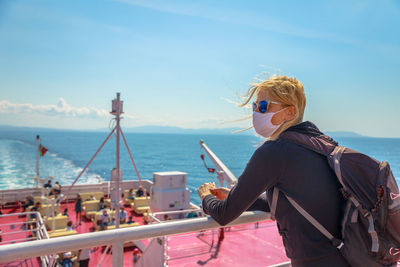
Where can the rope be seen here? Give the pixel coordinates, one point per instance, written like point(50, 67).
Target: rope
point(134, 166)
point(90, 161)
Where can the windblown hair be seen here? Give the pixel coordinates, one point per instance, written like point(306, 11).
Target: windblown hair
point(288, 91)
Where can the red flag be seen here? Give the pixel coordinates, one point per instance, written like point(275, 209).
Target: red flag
point(42, 150)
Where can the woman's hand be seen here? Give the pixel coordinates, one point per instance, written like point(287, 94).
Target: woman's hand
point(205, 190)
point(221, 192)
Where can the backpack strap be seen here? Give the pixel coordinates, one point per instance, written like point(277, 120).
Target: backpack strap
point(336, 242)
point(275, 196)
point(373, 234)
point(337, 155)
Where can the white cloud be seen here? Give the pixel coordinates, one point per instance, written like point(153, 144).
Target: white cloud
point(62, 108)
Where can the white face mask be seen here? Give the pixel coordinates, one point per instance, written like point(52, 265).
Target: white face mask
point(263, 125)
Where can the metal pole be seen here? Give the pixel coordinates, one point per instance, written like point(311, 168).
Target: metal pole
point(118, 178)
point(118, 247)
point(37, 158)
point(50, 246)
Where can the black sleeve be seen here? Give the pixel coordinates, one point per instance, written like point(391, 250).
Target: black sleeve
point(261, 173)
point(261, 203)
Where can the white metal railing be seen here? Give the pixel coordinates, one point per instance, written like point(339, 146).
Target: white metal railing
point(224, 174)
point(68, 243)
point(39, 232)
point(154, 215)
point(19, 195)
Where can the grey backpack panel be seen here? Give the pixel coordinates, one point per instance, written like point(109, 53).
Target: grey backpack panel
point(371, 220)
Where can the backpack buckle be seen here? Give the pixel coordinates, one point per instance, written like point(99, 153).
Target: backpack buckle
point(337, 243)
point(344, 193)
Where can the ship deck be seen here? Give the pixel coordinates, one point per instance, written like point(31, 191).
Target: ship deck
point(243, 245)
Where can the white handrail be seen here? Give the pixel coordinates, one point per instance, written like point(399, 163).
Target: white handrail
point(69, 243)
point(176, 212)
point(224, 172)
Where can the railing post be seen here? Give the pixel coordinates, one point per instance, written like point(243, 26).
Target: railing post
point(118, 254)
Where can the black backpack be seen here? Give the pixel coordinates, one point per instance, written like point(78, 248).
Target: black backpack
point(370, 231)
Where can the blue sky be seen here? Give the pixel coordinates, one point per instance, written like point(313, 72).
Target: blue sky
point(184, 63)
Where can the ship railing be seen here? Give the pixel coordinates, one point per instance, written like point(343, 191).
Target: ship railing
point(39, 231)
point(179, 213)
point(116, 237)
point(12, 197)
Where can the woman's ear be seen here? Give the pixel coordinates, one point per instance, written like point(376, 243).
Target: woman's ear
point(290, 113)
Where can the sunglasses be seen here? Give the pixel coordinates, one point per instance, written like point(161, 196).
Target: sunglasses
point(263, 105)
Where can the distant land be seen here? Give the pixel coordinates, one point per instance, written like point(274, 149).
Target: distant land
point(178, 130)
point(166, 130)
point(344, 134)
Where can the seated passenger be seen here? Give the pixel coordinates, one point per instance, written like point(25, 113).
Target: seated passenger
point(92, 197)
point(130, 221)
point(65, 212)
point(140, 192)
point(32, 224)
point(69, 226)
point(29, 202)
point(48, 185)
point(122, 216)
point(104, 220)
point(192, 214)
point(101, 204)
point(57, 188)
point(131, 194)
point(35, 208)
point(112, 221)
point(67, 259)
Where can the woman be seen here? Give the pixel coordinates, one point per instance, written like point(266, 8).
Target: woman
point(300, 173)
point(78, 209)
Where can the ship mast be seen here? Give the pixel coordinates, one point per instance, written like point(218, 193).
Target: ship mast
point(37, 155)
point(116, 177)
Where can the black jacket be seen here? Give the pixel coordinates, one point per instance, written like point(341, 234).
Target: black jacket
point(300, 173)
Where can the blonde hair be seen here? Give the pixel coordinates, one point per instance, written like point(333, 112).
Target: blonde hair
point(286, 90)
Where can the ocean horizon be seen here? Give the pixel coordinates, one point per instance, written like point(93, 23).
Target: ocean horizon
point(69, 151)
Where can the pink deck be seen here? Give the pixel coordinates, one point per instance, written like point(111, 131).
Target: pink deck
point(244, 245)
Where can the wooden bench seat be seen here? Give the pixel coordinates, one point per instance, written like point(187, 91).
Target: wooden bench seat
point(61, 232)
point(86, 196)
point(60, 222)
point(125, 225)
point(141, 205)
point(90, 208)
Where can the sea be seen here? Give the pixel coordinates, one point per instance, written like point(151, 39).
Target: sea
point(69, 152)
